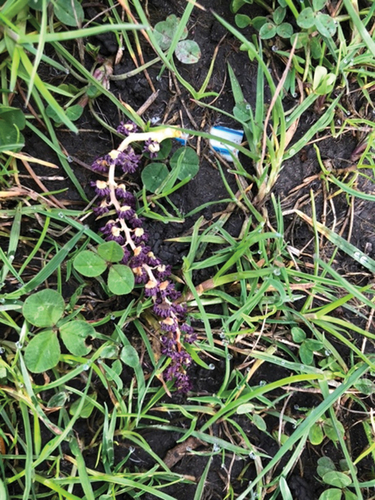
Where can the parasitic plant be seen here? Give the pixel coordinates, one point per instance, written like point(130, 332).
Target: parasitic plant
point(126, 228)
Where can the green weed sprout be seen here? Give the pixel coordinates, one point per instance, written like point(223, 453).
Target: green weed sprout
point(186, 51)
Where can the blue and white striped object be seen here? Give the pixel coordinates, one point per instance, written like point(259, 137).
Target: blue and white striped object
point(229, 134)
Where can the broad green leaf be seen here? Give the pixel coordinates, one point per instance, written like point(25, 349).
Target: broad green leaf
point(237, 4)
point(68, 89)
point(316, 434)
point(285, 30)
point(259, 422)
point(298, 334)
point(11, 122)
point(110, 251)
point(330, 431)
point(58, 400)
point(306, 354)
point(279, 15)
point(89, 264)
point(259, 21)
point(44, 308)
point(188, 52)
point(245, 408)
point(69, 12)
point(13, 116)
point(325, 464)
point(188, 161)
point(93, 92)
point(153, 176)
point(87, 407)
point(320, 74)
point(242, 21)
point(319, 4)
point(338, 479)
point(306, 19)
point(267, 31)
point(331, 494)
point(242, 111)
point(129, 356)
point(349, 495)
point(109, 351)
point(117, 367)
point(73, 113)
point(166, 30)
point(74, 334)
point(365, 386)
point(302, 39)
point(314, 345)
point(120, 279)
point(325, 24)
point(43, 352)
point(165, 149)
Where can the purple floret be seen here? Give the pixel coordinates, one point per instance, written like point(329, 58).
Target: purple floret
point(152, 148)
point(126, 212)
point(182, 383)
point(101, 188)
point(127, 128)
point(101, 164)
point(163, 309)
point(129, 161)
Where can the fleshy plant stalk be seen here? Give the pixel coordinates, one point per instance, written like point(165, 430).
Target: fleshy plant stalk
point(127, 230)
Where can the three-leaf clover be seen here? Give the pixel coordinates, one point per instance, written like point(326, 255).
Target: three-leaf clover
point(108, 256)
point(186, 51)
point(45, 309)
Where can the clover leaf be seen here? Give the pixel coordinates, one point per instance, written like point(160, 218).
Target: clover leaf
point(43, 352)
point(44, 308)
point(89, 264)
point(74, 334)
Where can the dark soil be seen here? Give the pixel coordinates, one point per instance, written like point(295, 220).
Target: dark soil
point(174, 106)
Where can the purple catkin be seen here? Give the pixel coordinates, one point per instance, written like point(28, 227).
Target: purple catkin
point(148, 270)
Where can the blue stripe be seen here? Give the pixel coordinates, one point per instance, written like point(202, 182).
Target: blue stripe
point(229, 130)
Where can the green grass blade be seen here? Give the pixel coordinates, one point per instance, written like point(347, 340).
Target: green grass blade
point(200, 487)
point(302, 431)
point(80, 33)
point(366, 37)
point(49, 268)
